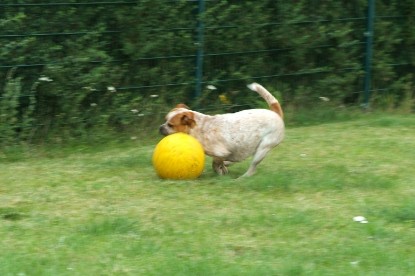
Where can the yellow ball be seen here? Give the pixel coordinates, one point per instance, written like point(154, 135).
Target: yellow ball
point(179, 156)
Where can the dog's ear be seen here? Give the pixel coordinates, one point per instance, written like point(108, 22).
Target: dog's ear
point(182, 105)
point(188, 119)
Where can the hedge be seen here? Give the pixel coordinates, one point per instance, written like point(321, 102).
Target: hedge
point(70, 68)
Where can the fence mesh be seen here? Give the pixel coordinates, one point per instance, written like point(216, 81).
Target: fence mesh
point(175, 49)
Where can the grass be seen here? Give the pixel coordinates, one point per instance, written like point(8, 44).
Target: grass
point(102, 211)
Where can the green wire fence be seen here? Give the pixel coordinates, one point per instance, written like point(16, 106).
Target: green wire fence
point(202, 59)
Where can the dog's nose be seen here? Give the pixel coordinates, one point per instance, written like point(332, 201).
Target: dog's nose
point(162, 130)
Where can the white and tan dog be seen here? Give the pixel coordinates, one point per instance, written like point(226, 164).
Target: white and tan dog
point(232, 137)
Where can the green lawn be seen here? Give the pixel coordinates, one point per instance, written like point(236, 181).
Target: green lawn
point(103, 211)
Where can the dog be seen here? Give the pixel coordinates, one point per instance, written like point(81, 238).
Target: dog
point(232, 137)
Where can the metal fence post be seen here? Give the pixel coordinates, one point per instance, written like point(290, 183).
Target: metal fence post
point(200, 47)
point(369, 52)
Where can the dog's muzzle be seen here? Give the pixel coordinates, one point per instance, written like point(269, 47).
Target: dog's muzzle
point(163, 130)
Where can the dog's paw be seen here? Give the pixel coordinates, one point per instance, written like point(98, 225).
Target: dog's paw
point(220, 168)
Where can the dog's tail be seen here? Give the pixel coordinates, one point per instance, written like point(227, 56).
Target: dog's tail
point(273, 103)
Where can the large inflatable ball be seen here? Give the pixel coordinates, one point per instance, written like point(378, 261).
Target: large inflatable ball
point(179, 156)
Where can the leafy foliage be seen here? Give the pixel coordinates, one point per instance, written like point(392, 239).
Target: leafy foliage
point(69, 68)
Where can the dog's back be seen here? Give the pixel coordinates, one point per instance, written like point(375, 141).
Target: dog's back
point(243, 131)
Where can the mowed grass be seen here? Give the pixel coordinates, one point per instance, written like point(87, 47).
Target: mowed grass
point(102, 211)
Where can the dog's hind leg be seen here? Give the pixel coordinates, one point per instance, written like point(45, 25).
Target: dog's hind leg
point(258, 157)
point(263, 148)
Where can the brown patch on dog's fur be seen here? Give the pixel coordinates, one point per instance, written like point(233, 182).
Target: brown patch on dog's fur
point(276, 107)
point(183, 122)
point(182, 105)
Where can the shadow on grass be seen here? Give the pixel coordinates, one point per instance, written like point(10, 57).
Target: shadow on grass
point(401, 212)
point(331, 177)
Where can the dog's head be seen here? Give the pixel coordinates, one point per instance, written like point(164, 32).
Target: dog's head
point(179, 119)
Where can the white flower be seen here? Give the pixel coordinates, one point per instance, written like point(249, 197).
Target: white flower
point(89, 88)
point(154, 96)
point(111, 89)
point(211, 87)
point(360, 219)
point(93, 104)
point(324, 99)
point(46, 79)
point(134, 110)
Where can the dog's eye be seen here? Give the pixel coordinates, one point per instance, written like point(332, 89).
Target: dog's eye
point(169, 125)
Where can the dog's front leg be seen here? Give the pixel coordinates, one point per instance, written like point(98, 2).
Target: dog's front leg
point(219, 166)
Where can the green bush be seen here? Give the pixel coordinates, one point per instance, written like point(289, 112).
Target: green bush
point(68, 69)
